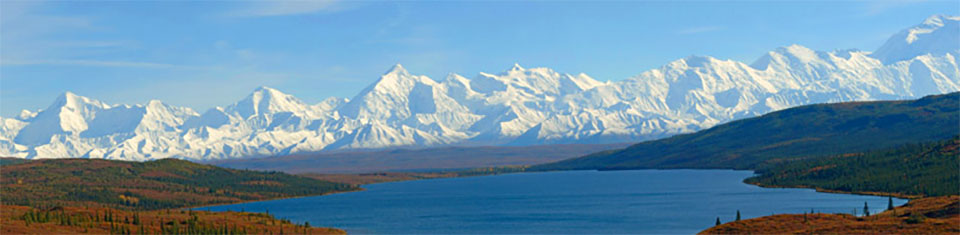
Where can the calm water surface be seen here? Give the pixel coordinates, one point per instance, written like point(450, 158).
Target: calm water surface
point(639, 201)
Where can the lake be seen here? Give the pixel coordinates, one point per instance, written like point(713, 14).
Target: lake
point(636, 201)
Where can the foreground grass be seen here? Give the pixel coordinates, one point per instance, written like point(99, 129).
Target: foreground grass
point(74, 220)
point(933, 215)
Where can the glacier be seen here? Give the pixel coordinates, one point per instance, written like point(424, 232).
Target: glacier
point(519, 106)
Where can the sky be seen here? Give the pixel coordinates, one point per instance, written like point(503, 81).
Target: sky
point(202, 54)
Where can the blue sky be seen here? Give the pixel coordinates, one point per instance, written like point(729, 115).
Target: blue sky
point(209, 53)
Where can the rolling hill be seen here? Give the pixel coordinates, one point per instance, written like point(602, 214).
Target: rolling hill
point(160, 184)
point(806, 131)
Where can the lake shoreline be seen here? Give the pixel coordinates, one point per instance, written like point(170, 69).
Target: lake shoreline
point(910, 218)
point(413, 176)
point(449, 175)
point(823, 190)
point(407, 207)
point(273, 199)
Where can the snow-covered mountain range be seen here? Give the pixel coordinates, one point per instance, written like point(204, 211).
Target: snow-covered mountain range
point(519, 106)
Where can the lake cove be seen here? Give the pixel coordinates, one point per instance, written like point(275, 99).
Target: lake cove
point(635, 201)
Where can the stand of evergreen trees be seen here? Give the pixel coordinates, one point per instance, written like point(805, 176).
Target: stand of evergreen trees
point(120, 222)
point(924, 169)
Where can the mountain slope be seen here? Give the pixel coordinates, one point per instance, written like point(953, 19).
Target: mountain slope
point(69, 113)
point(806, 131)
point(519, 106)
point(937, 35)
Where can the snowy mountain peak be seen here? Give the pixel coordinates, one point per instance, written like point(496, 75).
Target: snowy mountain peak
point(692, 61)
point(263, 89)
point(795, 49)
point(397, 69)
point(74, 101)
point(395, 80)
point(399, 77)
point(799, 53)
point(155, 104)
point(268, 92)
point(265, 100)
point(516, 67)
point(793, 55)
point(939, 19)
point(69, 113)
point(937, 35)
point(395, 95)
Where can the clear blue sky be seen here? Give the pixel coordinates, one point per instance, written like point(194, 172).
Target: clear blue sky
point(203, 54)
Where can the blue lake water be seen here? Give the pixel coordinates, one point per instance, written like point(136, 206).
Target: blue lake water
point(638, 201)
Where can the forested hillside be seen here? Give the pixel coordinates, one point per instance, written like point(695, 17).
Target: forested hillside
point(167, 183)
point(925, 169)
point(801, 132)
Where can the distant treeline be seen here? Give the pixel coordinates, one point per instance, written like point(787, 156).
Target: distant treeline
point(924, 169)
point(167, 183)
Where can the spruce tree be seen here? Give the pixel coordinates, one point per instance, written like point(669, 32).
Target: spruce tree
point(866, 210)
point(738, 215)
point(718, 221)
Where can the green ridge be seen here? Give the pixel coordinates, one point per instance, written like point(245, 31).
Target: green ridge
point(802, 132)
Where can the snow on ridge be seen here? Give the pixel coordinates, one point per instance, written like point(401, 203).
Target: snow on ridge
point(937, 35)
point(519, 106)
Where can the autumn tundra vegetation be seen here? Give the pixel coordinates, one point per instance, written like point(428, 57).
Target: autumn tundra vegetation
point(118, 197)
point(925, 171)
point(931, 215)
